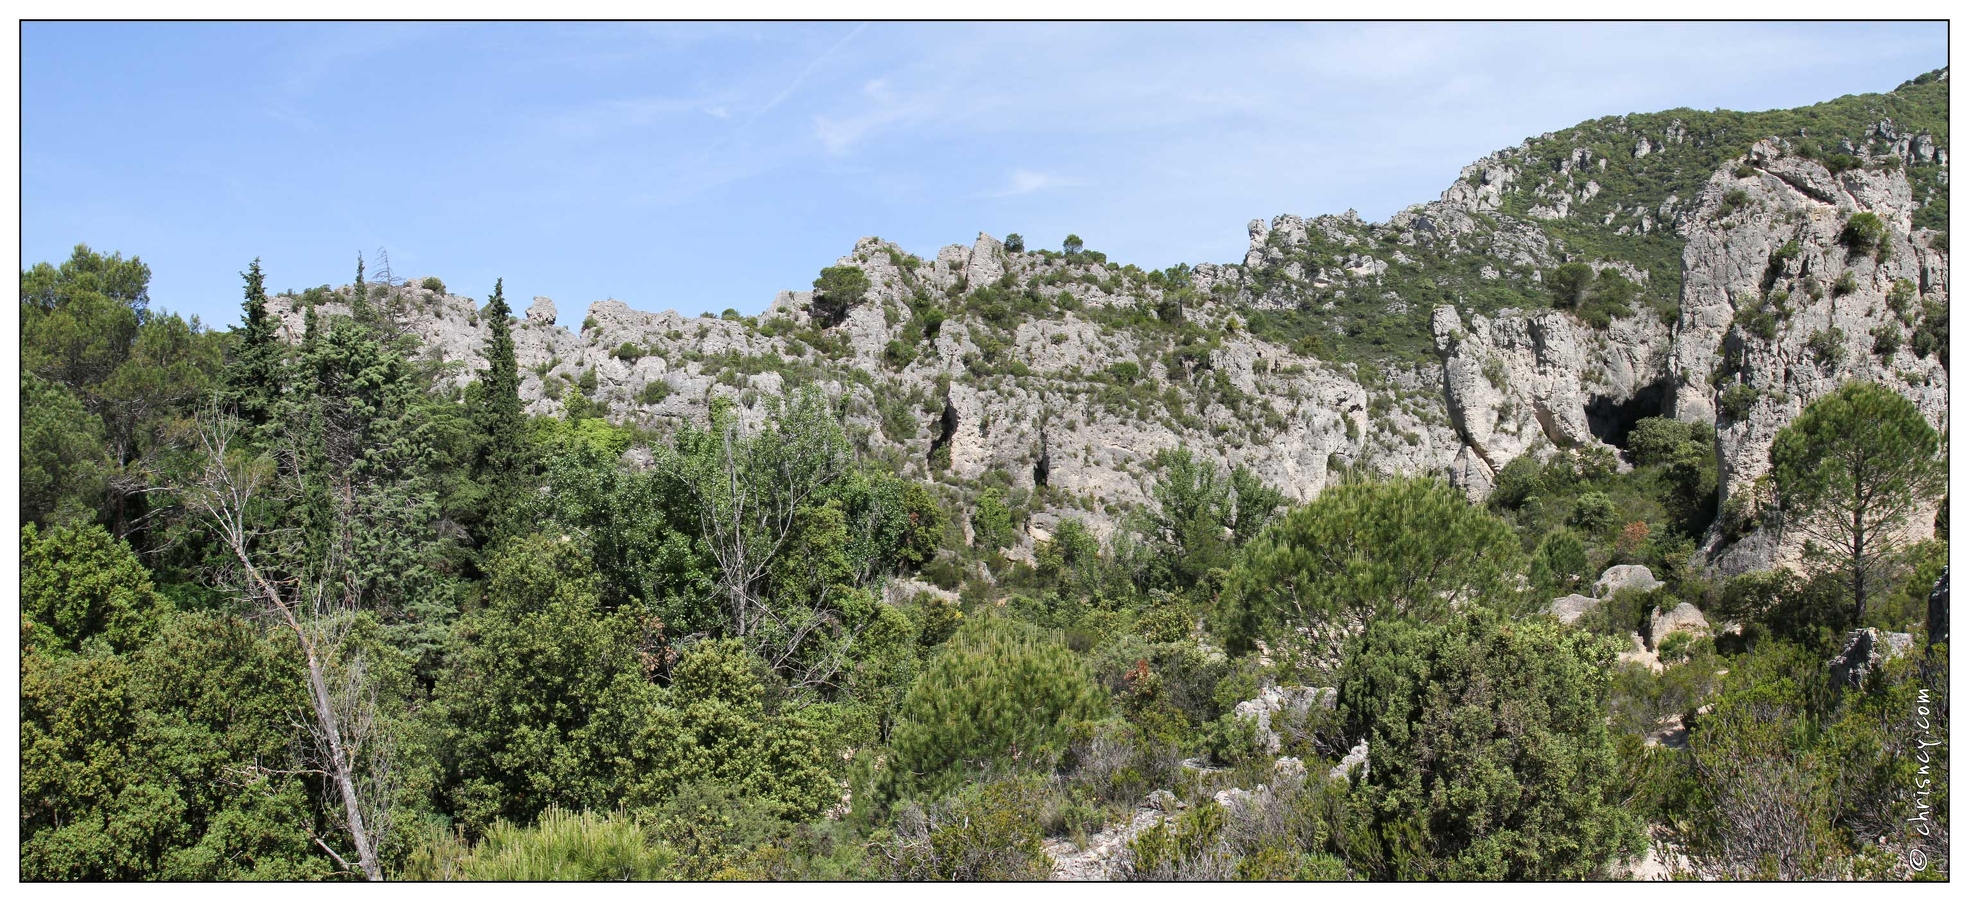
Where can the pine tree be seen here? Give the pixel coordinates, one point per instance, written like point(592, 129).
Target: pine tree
point(252, 383)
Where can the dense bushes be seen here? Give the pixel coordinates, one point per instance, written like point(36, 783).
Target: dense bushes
point(1406, 547)
point(999, 693)
point(1489, 757)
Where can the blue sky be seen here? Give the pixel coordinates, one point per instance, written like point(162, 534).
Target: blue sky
point(700, 167)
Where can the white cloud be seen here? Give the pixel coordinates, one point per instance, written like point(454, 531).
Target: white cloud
point(1027, 181)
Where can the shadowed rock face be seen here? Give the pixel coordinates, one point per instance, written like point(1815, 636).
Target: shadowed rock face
point(1039, 394)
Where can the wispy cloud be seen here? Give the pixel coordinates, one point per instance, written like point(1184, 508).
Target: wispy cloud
point(1027, 181)
point(809, 70)
point(885, 107)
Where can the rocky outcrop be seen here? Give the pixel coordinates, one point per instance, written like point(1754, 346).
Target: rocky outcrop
point(1355, 761)
point(1766, 239)
point(1033, 371)
point(1293, 702)
point(1683, 618)
point(1625, 576)
point(1572, 607)
point(1105, 857)
point(1866, 649)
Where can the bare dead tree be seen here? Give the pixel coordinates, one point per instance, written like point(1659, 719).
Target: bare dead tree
point(749, 492)
point(349, 743)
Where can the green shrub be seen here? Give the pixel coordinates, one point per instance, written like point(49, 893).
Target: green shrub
point(1864, 233)
point(1000, 692)
point(1733, 200)
point(836, 291)
point(1762, 316)
point(1901, 296)
point(629, 351)
point(991, 831)
point(1931, 336)
point(1015, 243)
point(1844, 285)
point(1167, 623)
point(583, 847)
point(1887, 340)
point(653, 392)
point(433, 283)
point(1516, 483)
point(81, 587)
point(991, 520)
point(588, 323)
point(1559, 564)
point(1827, 346)
point(1738, 400)
point(1401, 547)
point(1596, 300)
point(1477, 723)
point(1593, 512)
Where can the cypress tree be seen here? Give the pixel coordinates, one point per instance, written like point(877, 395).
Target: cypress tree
point(497, 414)
point(253, 380)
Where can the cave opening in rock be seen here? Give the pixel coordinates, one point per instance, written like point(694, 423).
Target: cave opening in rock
point(1042, 468)
point(1611, 418)
point(946, 429)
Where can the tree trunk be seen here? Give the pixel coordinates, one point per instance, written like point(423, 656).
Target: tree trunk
point(340, 765)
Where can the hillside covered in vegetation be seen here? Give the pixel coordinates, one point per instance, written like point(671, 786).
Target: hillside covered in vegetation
point(1588, 522)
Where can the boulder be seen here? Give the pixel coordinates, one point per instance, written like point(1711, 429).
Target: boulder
point(1572, 607)
point(1625, 576)
point(1639, 653)
point(1295, 700)
point(1866, 649)
point(541, 312)
point(1235, 797)
point(1356, 758)
point(1683, 618)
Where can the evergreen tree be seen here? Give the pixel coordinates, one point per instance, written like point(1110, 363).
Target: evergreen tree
point(253, 382)
point(500, 420)
point(1849, 472)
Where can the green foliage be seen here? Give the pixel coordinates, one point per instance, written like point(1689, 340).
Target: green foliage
point(1863, 233)
point(999, 693)
point(170, 763)
point(86, 328)
point(1559, 566)
point(1827, 346)
point(1887, 340)
point(1737, 400)
point(433, 283)
point(1400, 548)
point(1015, 243)
point(81, 589)
point(653, 392)
point(554, 703)
point(1489, 757)
point(984, 832)
point(628, 351)
point(1849, 471)
point(580, 846)
point(836, 291)
point(991, 522)
point(63, 467)
point(1931, 337)
point(1594, 299)
point(1072, 245)
point(1763, 315)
